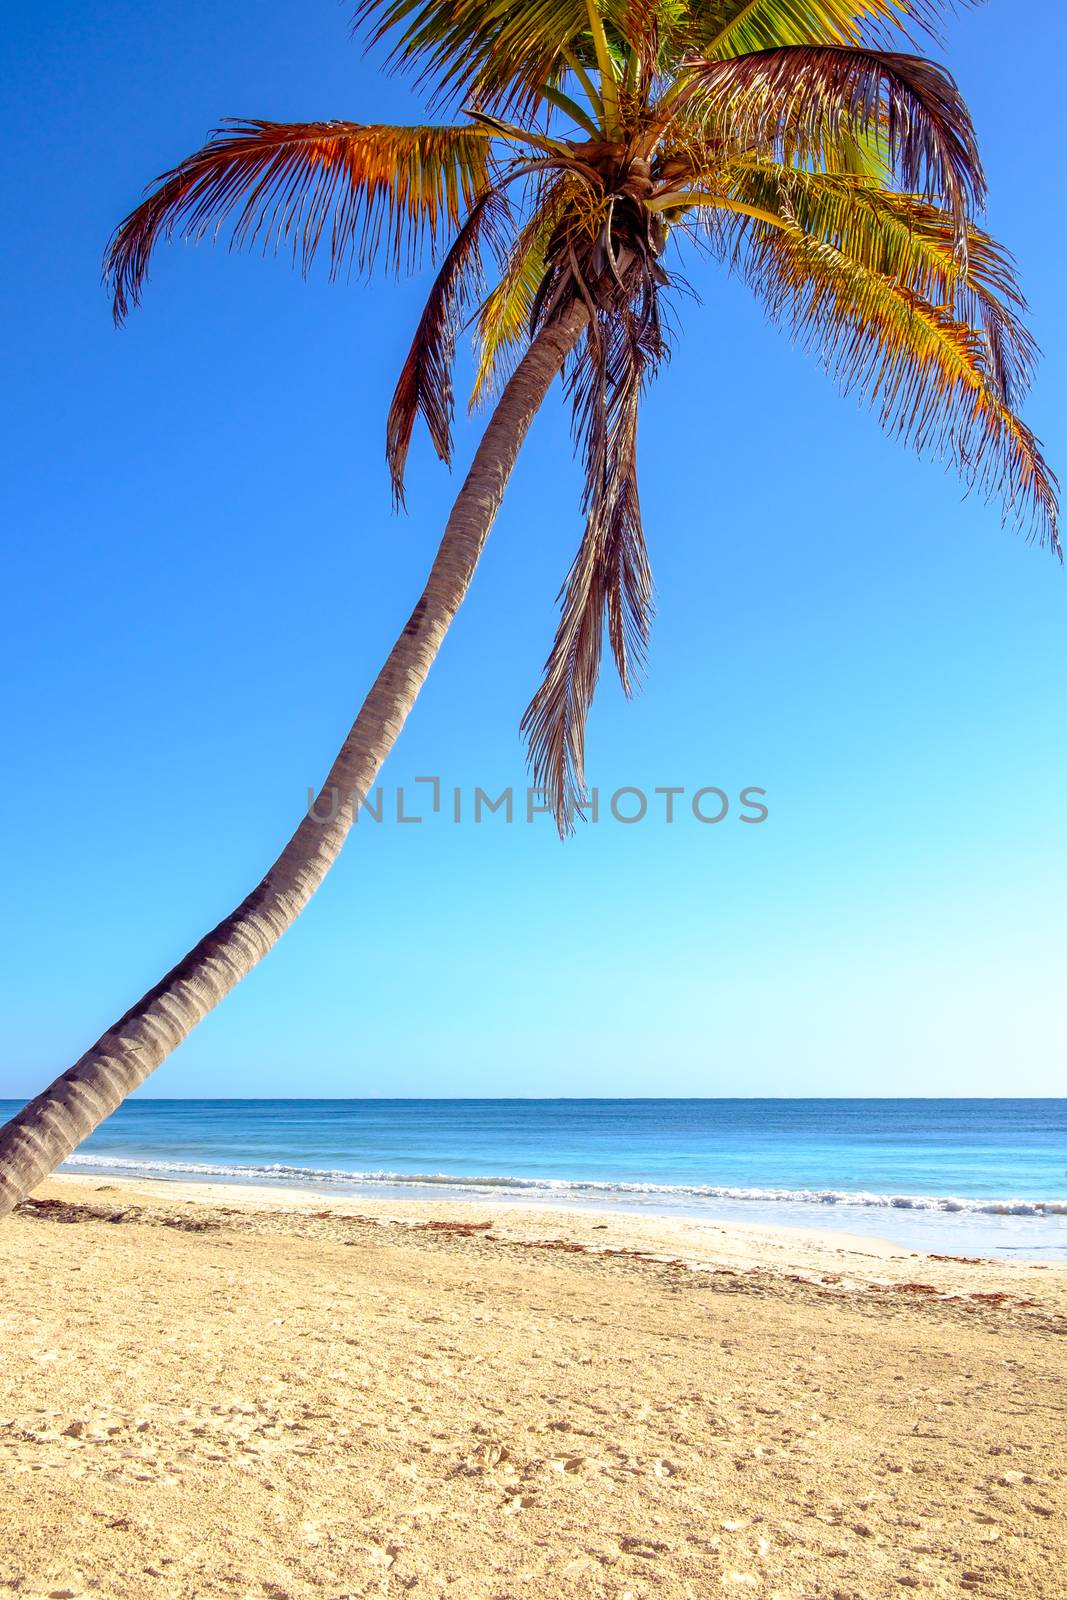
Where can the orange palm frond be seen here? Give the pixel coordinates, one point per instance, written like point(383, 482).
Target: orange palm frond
point(364, 189)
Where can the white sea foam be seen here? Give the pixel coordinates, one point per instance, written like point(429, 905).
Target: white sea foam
point(560, 1188)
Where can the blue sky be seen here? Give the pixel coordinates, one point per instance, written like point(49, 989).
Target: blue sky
point(204, 572)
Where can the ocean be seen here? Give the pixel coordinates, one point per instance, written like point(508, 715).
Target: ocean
point(958, 1176)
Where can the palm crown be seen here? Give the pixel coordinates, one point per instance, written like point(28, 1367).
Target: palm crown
point(785, 137)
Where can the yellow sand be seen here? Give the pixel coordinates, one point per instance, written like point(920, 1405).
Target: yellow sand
point(249, 1393)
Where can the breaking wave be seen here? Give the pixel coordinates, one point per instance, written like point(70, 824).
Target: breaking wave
point(560, 1188)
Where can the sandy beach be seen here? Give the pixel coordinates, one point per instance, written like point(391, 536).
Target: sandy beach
point(255, 1393)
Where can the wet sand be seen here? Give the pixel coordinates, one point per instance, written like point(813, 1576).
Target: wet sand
point(254, 1393)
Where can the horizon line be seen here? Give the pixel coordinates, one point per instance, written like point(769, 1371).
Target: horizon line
point(606, 1099)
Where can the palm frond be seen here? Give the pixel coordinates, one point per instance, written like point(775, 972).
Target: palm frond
point(503, 319)
point(927, 373)
point(497, 55)
point(363, 190)
point(425, 383)
point(905, 238)
point(792, 104)
point(723, 28)
point(610, 582)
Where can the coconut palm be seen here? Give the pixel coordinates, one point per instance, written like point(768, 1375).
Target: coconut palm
point(597, 142)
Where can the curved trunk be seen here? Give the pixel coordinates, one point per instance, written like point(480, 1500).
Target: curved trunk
point(49, 1127)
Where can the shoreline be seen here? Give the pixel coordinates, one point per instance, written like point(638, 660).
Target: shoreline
point(700, 1243)
point(994, 1234)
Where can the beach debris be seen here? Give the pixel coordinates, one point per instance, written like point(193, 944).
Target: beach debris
point(444, 1226)
point(630, 1545)
point(63, 1211)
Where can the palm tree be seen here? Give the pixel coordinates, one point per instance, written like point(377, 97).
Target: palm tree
point(781, 137)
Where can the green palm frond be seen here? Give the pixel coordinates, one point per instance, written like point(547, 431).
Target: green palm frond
point(859, 153)
point(723, 28)
point(905, 238)
point(500, 55)
point(364, 191)
point(927, 373)
point(503, 320)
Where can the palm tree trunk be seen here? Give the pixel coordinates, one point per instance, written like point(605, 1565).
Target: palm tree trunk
point(49, 1127)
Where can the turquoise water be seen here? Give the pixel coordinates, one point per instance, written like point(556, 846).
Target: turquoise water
point(952, 1175)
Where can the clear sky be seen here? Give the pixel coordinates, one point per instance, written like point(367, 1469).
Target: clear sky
point(203, 574)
